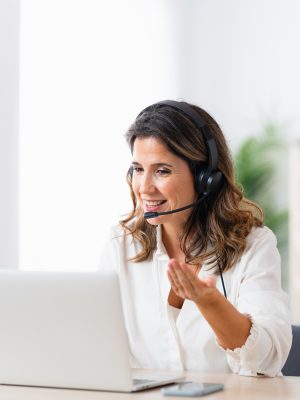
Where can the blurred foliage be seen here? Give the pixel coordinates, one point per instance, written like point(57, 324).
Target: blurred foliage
point(257, 163)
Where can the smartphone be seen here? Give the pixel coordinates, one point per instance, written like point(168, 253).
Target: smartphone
point(191, 389)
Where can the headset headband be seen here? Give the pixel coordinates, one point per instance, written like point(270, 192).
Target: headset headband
point(200, 124)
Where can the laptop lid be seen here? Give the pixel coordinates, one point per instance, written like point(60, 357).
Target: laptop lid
point(63, 329)
point(66, 329)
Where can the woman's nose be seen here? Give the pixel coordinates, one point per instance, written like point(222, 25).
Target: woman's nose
point(146, 184)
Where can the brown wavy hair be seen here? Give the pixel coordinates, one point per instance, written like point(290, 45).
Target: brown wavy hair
point(216, 229)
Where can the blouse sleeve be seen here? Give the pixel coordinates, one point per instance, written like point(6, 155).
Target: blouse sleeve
point(266, 304)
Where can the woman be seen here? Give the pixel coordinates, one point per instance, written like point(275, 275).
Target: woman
point(199, 273)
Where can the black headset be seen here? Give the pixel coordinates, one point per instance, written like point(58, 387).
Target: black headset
point(207, 180)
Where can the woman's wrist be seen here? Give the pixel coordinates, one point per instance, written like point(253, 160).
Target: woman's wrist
point(210, 299)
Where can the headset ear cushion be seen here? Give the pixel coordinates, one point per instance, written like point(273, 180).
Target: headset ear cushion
point(214, 181)
point(201, 181)
point(208, 182)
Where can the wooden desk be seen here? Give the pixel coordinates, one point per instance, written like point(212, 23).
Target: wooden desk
point(236, 388)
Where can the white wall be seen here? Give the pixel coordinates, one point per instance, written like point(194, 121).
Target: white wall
point(294, 231)
point(88, 67)
point(9, 78)
point(240, 60)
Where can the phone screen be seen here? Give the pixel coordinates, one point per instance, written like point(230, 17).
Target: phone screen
point(192, 389)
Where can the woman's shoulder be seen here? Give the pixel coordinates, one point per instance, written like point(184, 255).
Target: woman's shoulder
point(261, 234)
point(123, 242)
point(261, 242)
point(117, 231)
point(112, 240)
point(122, 234)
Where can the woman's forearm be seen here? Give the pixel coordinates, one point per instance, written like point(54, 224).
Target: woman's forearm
point(230, 326)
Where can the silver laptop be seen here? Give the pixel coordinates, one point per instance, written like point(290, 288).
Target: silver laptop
point(66, 329)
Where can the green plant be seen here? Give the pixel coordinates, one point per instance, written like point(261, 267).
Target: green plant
point(257, 168)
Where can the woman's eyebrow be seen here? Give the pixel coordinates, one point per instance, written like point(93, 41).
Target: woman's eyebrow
point(155, 164)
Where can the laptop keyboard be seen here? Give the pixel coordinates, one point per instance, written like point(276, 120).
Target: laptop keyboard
point(142, 381)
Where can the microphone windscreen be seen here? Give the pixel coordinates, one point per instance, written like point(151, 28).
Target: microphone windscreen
point(148, 215)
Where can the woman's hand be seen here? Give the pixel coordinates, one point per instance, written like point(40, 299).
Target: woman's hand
point(187, 285)
point(230, 326)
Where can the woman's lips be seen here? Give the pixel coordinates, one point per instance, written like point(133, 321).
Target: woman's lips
point(153, 205)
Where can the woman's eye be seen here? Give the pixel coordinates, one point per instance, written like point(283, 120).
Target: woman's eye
point(137, 169)
point(163, 172)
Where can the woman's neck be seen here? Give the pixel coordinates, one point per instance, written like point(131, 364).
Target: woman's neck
point(171, 235)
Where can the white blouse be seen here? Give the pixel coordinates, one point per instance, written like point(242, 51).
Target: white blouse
point(165, 338)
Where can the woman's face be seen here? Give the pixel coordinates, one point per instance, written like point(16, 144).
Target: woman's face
point(161, 181)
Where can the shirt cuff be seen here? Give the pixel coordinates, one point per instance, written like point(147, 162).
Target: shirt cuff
point(173, 312)
point(250, 342)
point(247, 359)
